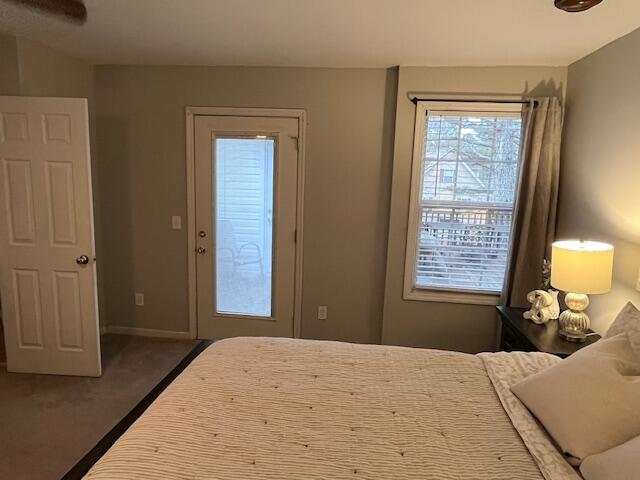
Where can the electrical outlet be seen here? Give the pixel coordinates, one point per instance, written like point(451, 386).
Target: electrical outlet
point(322, 312)
point(139, 299)
point(176, 222)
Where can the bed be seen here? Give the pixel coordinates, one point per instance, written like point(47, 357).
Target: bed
point(264, 408)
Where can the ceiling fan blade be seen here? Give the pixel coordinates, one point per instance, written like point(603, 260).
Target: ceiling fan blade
point(73, 10)
point(576, 5)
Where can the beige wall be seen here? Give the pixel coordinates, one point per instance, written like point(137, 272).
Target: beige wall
point(350, 214)
point(429, 324)
point(45, 72)
point(9, 70)
point(141, 148)
point(599, 193)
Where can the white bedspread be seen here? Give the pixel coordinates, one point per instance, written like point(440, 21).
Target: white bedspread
point(281, 409)
point(507, 369)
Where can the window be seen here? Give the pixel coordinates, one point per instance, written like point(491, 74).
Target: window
point(446, 174)
point(464, 182)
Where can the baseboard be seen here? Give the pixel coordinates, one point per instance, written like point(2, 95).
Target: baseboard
point(147, 332)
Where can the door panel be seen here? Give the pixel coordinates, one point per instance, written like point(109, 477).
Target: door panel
point(14, 127)
point(62, 212)
point(19, 198)
point(57, 128)
point(46, 223)
point(27, 299)
point(66, 297)
point(246, 186)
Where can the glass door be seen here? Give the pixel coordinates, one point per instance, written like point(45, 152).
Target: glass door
point(246, 191)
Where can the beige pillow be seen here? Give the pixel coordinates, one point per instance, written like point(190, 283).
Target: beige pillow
point(589, 402)
point(627, 321)
point(619, 463)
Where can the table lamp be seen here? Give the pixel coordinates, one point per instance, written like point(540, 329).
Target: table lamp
point(579, 268)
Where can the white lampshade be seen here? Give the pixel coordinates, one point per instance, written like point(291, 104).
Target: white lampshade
point(581, 267)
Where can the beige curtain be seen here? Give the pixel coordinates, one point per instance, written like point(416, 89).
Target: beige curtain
point(534, 228)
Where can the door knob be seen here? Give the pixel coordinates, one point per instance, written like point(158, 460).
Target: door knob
point(201, 250)
point(82, 260)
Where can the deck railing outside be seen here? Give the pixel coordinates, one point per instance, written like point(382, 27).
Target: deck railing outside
point(463, 246)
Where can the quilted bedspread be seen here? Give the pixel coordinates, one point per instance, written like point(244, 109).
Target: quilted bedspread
point(282, 409)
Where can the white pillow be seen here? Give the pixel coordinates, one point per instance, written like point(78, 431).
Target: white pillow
point(619, 463)
point(627, 321)
point(589, 402)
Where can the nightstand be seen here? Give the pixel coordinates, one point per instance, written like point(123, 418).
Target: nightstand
point(520, 334)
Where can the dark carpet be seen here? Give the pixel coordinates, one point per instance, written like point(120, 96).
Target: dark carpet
point(48, 423)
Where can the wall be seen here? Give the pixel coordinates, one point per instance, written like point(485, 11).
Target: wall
point(9, 70)
point(48, 73)
point(141, 151)
point(600, 198)
point(138, 121)
point(450, 326)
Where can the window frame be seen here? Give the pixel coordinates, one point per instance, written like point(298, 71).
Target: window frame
point(442, 294)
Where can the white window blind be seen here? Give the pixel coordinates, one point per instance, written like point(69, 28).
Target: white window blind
point(464, 197)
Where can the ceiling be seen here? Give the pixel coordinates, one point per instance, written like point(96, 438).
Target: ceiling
point(334, 33)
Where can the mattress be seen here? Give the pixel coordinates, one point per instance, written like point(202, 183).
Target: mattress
point(258, 408)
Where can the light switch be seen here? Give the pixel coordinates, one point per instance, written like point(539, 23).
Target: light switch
point(322, 312)
point(176, 222)
point(139, 299)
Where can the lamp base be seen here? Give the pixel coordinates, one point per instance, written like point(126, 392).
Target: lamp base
point(576, 337)
point(574, 323)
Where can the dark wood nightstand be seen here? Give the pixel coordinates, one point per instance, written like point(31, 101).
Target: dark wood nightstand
point(520, 334)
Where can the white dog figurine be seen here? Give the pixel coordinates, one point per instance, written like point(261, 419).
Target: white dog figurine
point(543, 306)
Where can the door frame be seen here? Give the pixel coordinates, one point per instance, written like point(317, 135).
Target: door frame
point(190, 114)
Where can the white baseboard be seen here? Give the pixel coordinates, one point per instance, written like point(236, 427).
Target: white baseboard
point(147, 332)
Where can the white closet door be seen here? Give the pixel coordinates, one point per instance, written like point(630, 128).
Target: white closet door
point(47, 265)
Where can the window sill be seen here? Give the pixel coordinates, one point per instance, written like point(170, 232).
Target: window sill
point(452, 297)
